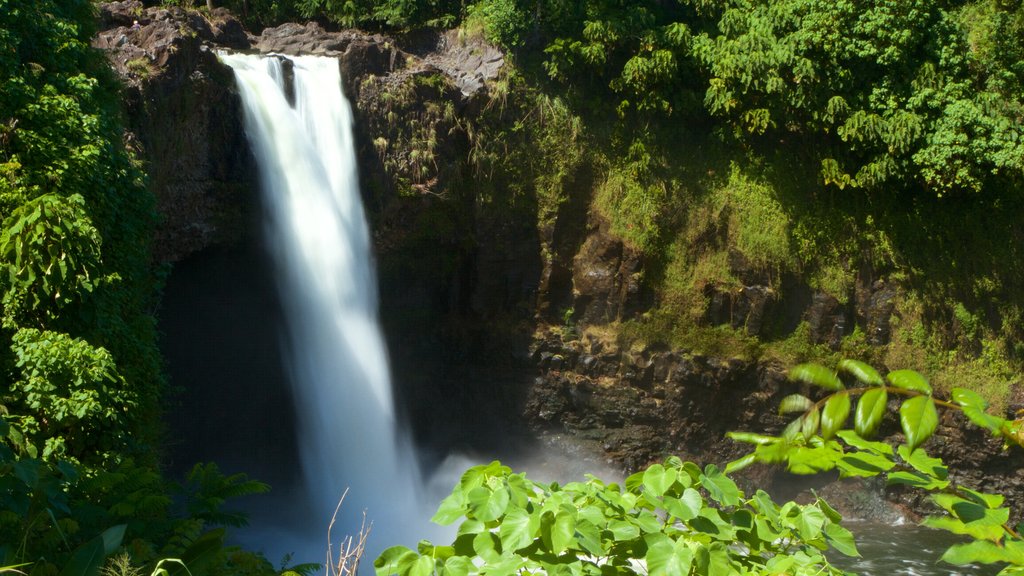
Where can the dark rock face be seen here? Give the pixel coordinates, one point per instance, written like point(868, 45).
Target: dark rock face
point(747, 308)
point(641, 406)
point(637, 407)
point(185, 122)
point(826, 318)
point(605, 276)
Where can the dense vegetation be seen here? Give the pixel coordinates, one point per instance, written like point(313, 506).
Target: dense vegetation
point(80, 375)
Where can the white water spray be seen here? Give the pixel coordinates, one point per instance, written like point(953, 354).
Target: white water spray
point(337, 361)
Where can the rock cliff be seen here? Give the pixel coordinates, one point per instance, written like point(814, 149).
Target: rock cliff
point(470, 293)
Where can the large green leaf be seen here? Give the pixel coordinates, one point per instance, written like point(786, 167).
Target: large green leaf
point(833, 417)
point(965, 397)
point(518, 529)
point(751, 438)
point(909, 380)
point(864, 373)
point(924, 463)
point(487, 504)
point(917, 480)
point(870, 411)
point(809, 522)
point(558, 530)
point(918, 419)
point(667, 557)
point(983, 419)
point(864, 464)
point(391, 558)
point(423, 566)
point(979, 551)
point(658, 479)
point(687, 506)
point(817, 375)
point(721, 488)
point(841, 539)
point(451, 509)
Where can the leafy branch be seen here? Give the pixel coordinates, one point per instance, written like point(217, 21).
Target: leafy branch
point(817, 441)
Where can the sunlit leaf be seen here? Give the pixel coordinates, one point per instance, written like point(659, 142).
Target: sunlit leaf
point(809, 427)
point(658, 479)
point(909, 380)
point(864, 373)
point(666, 557)
point(924, 463)
point(841, 539)
point(795, 403)
point(719, 486)
point(965, 397)
point(919, 419)
point(870, 411)
point(833, 417)
point(817, 375)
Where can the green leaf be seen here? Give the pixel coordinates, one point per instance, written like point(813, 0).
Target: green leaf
point(817, 375)
point(518, 529)
point(870, 411)
point(86, 560)
point(487, 504)
point(864, 373)
point(389, 560)
point(833, 417)
point(909, 380)
point(809, 522)
point(719, 486)
point(740, 463)
point(751, 438)
point(451, 509)
point(686, 507)
point(809, 427)
point(666, 557)
point(457, 566)
point(864, 465)
point(979, 551)
point(924, 463)
point(858, 442)
point(423, 566)
point(557, 530)
point(918, 419)
point(789, 433)
point(917, 480)
point(841, 539)
point(622, 530)
point(983, 419)
point(965, 397)
point(658, 479)
point(795, 403)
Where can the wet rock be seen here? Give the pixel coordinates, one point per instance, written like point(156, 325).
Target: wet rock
point(826, 320)
point(605, 277)
point(747, 307)
point(878, 314)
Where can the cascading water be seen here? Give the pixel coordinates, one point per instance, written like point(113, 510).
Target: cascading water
point(337, 361)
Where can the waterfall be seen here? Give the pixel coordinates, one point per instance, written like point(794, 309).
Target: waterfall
point(337, 360)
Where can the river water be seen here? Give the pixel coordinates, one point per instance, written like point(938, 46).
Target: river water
point(904, 550)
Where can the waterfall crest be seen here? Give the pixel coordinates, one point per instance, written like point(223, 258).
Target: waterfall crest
point(320, 244)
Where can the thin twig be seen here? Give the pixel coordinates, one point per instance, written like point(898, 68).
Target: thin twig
point(350, 551)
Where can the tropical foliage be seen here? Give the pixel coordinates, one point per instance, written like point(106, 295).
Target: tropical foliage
point(80, 380)
point(819, 440)
point(672, 518)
